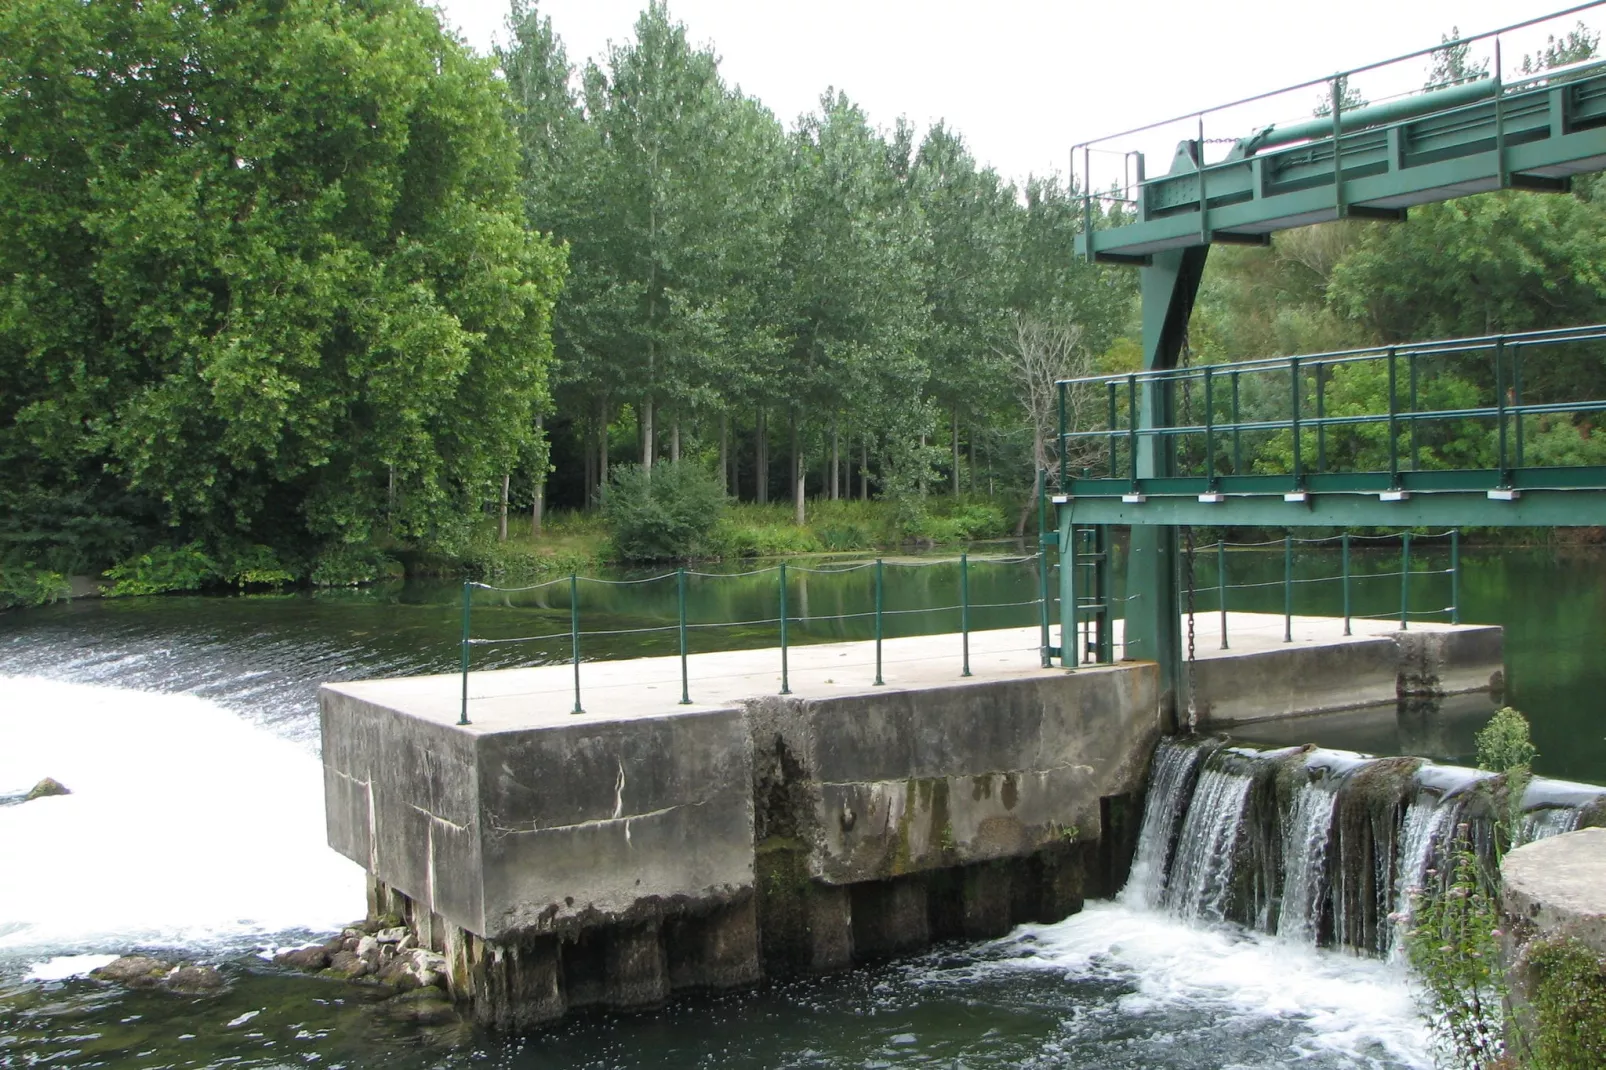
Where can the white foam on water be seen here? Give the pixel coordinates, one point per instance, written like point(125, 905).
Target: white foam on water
point(61, 967)
point(1360, 1009)
point(186, 825)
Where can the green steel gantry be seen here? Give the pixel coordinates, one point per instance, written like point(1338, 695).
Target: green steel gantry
point(1372, 162)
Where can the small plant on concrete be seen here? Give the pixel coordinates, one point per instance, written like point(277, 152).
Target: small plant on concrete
point(1453, 944)
point(1504, 744)
point(1567, 1005)
point(1452, 935)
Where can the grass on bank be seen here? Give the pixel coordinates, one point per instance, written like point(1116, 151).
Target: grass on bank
point(570, 541)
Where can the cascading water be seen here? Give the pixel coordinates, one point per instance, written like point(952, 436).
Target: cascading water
point(1319, 846)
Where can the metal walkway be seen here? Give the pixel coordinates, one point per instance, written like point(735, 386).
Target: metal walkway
point(1458, 432)
point(1369, 438)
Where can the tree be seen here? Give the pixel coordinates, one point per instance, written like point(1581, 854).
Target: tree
point(1452, 64)
point(266, 266)
point(856, 308)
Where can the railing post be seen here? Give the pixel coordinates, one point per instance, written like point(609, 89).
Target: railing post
point(1346, 583)
point(964, 612)
point(1394, 420)
point(1210, 430)
point(1060, 442)
point(1500, 408)
point(574, 635)
point(1288, 587)
point(1455, 575)
point(1293, 379)
point(785, 689)
point(468, 602)
point(1237, 434)
point(1131, 429)
point(1115, 468)
point(1413, 403)
point(878, 595)
point(680, 598)
point(1405, 581)
point(1516, 393)
point(1042, 566)
point(1221, 586)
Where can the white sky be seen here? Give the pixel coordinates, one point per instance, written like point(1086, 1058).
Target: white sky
point(1023, 80)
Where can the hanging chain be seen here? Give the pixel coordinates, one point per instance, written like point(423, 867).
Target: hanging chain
point(1187, 555)
point(1187, 572)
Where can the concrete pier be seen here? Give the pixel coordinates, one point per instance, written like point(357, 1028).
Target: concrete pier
point(1553, 899)
point(642, 847)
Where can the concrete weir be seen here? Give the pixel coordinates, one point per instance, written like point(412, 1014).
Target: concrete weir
point(643, 847)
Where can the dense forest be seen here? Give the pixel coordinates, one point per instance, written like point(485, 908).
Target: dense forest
point(288, 291)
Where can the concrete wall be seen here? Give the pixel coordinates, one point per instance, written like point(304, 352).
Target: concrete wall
point(1554, 890)
point(579, 862)
point(1302, 678)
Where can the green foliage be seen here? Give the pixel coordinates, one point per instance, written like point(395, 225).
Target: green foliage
point(26, 585)
point(163, 569)
point(353, 565)
point(1453, 943)
point(1567, 1005)
point(1504, 744)
point(257, 566)
point(265, 277)
point(667, 513)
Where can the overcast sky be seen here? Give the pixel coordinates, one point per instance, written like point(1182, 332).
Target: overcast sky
point(1023, 80)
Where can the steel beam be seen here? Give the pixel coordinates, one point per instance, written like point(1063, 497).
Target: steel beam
point(1169, 286)
point(1535, 508)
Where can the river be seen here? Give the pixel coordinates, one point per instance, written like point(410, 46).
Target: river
point(186, 727)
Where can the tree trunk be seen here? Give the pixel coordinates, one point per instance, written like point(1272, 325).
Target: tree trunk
point(501, 526)
point(836, 459)
point(674, 440)
point(972, 458)
point(538, 495)
point(647, 443)
point(588, 485)
point(798, 477)
point(761, 462)
point(955, 444)
point(602, 448)
point(724, 452)
point(864, 470)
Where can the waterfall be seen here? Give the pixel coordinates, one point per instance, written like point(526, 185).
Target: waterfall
point(1305, 839)
point(1321, 846)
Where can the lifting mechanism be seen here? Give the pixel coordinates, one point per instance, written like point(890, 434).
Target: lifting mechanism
point(1162, 477)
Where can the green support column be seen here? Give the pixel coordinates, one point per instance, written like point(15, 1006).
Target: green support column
point(1153, 611)
point(1070, 652)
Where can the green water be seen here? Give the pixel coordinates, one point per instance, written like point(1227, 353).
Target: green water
point(1113, 987)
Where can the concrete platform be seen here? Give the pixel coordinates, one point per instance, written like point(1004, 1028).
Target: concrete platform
point(643, 845)
point(1365, 669)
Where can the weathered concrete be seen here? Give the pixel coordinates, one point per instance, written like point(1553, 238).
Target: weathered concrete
point(643, 847)
point(1557, 886)
point(1263, 677)
point(1553, 897)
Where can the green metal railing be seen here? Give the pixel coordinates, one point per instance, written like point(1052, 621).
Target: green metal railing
point(1217, 593)
point(786, 617)
point(1453, 415)
point(1237, 174)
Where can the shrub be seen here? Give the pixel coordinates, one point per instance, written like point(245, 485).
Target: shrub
point(669, 513)
point(162, 569)
point(348, 565)
point(1567, 1004)
point(257, 566)
point(1503, 743)
point(26, 585)
point(1453, 944)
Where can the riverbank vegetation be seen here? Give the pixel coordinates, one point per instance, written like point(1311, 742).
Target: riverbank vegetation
point(313, 293)
point(1457, 944)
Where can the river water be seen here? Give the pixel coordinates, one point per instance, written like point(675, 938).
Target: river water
point(186, 727)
